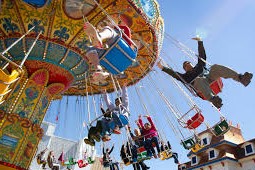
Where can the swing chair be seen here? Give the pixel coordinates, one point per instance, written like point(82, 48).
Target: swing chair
point(121, 54)
point(220, 128)
point(192, 143)
point(216, 85)
point(194, 121)
point(167, 154)
point(6, 79)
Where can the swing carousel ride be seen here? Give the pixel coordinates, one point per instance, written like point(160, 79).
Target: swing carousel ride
point(43, 57)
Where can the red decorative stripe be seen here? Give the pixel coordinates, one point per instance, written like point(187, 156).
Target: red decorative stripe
point(11, 165)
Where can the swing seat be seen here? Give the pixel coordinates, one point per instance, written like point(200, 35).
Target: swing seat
point(127, 160)
point(142, 156)
point(196, 148)
point(141, 149)
point(90, 160)
point(82, 164)
point(189, 143)
point(195, 121)
point(166, 154)
point(6, 80)
point(216, 87)
point(118, 57)
point(142, 153)
point(123, 119)
point(221, 128)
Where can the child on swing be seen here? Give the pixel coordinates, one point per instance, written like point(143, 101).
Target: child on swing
point(106, 33)
point(150, 134)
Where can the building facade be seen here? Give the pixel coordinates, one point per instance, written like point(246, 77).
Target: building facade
point(227, 152)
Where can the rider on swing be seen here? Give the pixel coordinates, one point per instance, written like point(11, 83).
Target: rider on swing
point(196, 77)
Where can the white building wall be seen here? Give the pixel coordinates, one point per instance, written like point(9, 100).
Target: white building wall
point(231, 165)
point(248, 165)
point(75, 149)
point(228, 165)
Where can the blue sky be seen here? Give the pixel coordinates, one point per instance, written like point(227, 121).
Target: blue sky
point(227, 28)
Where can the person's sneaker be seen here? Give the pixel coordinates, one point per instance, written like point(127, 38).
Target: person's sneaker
point(96, 137)
point(106, 138)
point(147, 167)
point(245, 78)
point(89, 142)
point(197, 39)
point(216, 101)
point(116, 131)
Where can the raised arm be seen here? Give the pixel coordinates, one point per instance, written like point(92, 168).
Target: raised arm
point(140, 121)
point(103, 151)
point(201, 54)
point(151, 122)
point(111, 150)
point(125, 100)
point(172, 73)
point(169, 71)
point(108, 102)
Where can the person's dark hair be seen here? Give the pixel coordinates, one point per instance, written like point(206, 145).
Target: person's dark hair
point(147, 124)
point(184, 63)
point(118, 99)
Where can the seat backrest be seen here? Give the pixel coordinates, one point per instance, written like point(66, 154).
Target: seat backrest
point(195, 121)
point(196, 148)
point(221, 128)
point(8, 78)
point(217, 86)
point(189, 143)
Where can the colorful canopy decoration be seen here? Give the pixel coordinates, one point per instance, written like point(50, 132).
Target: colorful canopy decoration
point(63, 43)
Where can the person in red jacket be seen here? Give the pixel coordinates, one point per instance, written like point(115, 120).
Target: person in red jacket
point(150, 134)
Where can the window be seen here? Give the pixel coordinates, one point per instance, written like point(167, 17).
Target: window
point(205, 141)
point(194, 160)
point(211, 154)
point(248, 149)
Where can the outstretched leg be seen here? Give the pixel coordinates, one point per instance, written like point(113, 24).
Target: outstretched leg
point(217, 71)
